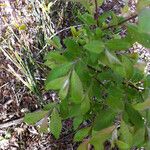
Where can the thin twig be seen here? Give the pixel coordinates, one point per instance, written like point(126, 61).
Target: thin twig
point(65, 29)
point(96, 12)
point(130, 84)
point(100, 82)
point(94, 69)
point(122, 22)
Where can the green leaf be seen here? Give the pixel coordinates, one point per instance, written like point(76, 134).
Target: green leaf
point(71, 45)
point(142, 4)
point(85, 105)
point(43, 125)
point(139, 137)
point(84, 145)
point(55, 123)
point(64, 89)
point(77, 121)
point(117, 44)
point(147, 145)
point(56, 84)
point(74, 32)
point(93, 92)
point(112, 58)
point(132, 34)
point(58, 72)
point(83, 73)
point(87, 19)
point(115, 19)
point(104, 119)
point(137, 75)
point(100, 137)
point(73, 49)
point(142, 106)
point(135, 36)
point(54, 58)
point(74, 110)
point(100, 2)
point(55, 42)
point(126, 135)
point(128, 65)
point(102, 18)
point(81, 134)
point(32, 118)
point(115, 98)
point(64, 109)
point(122, 145)
point(93, 58)
point(95, 46)
point(134, 116)
point(144, 39)
point(50, 106)
point(98, 33)
point(144, 24)
point(119, 69)
point(76, 88)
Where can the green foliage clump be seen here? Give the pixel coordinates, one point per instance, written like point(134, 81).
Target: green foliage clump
point(98, 81)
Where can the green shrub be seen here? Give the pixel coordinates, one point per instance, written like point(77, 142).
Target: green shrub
point(98, 80)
